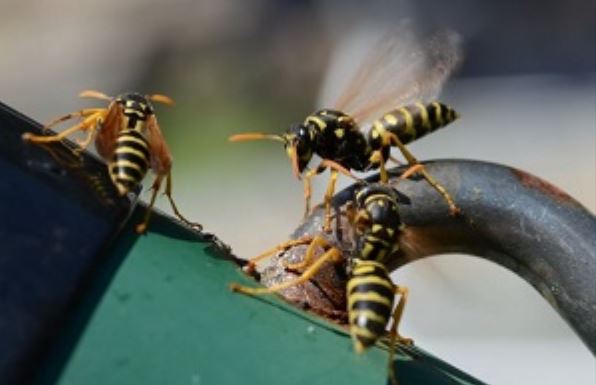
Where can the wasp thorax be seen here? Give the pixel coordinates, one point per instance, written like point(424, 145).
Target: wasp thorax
point(136, 110)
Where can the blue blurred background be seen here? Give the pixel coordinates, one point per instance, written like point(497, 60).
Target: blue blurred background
point(526, 93)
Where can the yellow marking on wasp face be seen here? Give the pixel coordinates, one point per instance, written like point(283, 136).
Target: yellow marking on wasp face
point(423, 115)
point(376, 228)
point(438, 114)
point(339, 133)
point(390, 231)
point(381, 253)
point(370, 296)
point(367, 314)
point(392, 120)
point(317, 121)
point(356, 281)
point(130, 150)
point(409, 119)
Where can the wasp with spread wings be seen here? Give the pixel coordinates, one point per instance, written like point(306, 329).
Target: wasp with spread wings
point(398, 76)
point(128, 137)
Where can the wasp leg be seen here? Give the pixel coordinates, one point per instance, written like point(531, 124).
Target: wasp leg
point(394, 160)
point(308, 186)
point(328, 197)
point(332, 255)
point(411, 171)
point(395, 336)
point(335, 168)
point(79, 114)
point(252, 263)
point(142, 227)
point(308, 190)
point(412, 161)
point(377, 158)
point(168, 193)
point(310, 254)
point(83, 144)
point(89, 123)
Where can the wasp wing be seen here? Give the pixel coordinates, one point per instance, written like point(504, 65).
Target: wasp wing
point(105, 140)
point(399, 70)
point(161, 158)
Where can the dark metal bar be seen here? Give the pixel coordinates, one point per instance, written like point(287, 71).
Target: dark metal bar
point(508, 216)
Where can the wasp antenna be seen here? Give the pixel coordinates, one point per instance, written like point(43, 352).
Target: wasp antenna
point(94, 94)
point(159, 98)
point(255, 136)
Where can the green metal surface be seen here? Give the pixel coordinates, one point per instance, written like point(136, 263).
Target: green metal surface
point(166, 316)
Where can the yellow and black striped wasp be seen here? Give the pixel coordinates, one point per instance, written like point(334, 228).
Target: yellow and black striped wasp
point(128, 137)
point(398, 76)
point(370, 291)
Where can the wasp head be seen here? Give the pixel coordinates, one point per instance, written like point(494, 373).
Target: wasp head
point(298, 143)
point(133, 101)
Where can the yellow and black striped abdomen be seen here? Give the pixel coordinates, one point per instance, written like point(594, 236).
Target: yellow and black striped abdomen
point(370, 301)
point(415, 120)
point(130, 160)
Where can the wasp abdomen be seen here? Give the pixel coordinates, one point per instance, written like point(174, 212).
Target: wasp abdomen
point(130, 160)
point(370, 301)
point(415, 120)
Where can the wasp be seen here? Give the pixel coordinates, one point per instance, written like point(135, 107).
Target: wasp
point(400, 79)
point(370, 291)
point(127, 136)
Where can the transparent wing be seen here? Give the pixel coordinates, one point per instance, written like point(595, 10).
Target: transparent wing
point(161, 159)
point(399, 70)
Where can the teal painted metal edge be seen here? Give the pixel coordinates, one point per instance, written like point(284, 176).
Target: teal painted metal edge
point(160, 312)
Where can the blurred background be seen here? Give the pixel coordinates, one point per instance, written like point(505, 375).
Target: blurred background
point(526, 93)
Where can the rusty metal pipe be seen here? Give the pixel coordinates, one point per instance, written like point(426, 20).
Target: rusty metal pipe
point(508, 216)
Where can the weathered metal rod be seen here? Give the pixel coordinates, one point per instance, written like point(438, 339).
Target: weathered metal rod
point(508, 216)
